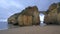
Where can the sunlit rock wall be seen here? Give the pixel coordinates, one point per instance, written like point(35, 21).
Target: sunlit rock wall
point(28, 16)
point(52, 17)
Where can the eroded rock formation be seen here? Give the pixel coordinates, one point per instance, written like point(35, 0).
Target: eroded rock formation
point(28, 16)
point(52, 15)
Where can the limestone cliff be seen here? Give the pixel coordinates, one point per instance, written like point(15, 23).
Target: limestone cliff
point(28, 16)
point(52, 16)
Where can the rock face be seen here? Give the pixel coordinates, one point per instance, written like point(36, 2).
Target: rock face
point(58, 16)
point(24, 20)
point(13, 19)
point(52, 17)
point(28, 16)
point(52, 6)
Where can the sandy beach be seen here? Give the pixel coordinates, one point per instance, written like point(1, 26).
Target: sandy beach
point(50, 29)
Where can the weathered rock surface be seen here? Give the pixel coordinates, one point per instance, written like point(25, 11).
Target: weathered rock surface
point(28, 16)
point(52, 17)
point(13, 19)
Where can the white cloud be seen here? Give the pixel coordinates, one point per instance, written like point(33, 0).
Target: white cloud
point(4, 4)
point(8, 3)
point(14, 4)
point(3, 20)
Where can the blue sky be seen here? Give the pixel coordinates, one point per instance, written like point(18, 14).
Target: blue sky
point(9, 7)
